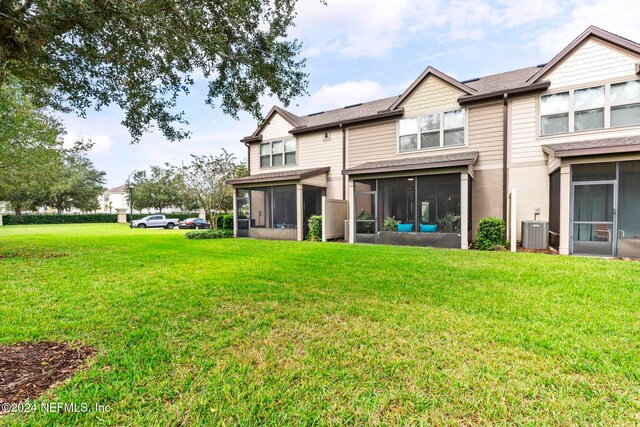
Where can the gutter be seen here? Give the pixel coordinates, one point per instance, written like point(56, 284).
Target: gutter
point(246, 144)
point(505, 152)
point(379, 115)
point(536, 87)
point(344, 161)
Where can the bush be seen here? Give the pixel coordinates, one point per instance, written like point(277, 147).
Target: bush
point(490, 234)
point(30, 219)
point(315, 228)
point(225, 222)
point(209, 234)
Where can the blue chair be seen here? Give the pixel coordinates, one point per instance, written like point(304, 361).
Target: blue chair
point(428, 228)
point(405, 228)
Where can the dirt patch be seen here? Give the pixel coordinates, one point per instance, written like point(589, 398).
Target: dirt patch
point(538, 251)
point(27, 370)
point(36, 255)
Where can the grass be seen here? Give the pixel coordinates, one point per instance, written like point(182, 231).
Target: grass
point(243, 332)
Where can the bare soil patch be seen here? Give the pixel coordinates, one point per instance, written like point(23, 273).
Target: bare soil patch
point(36, 255)
point(27, 370)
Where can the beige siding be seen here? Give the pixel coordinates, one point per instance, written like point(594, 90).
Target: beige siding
point(277, 127)
point(372, 143)
point(313, 152)
point(485, 134)
point(532, 184)
point(486, 196)
point(592, 61)
point(431, 95)
point(378, 141)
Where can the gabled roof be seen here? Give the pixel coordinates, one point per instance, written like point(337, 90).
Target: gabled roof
point(118, 189)
point(415, 163)
point(626, 144)
point(589, 32)
point(288, 175)
point(289, 117)
point(426, 73)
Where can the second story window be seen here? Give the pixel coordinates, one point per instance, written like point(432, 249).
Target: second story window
point(589, 108)
point(431, 131)
point(278, 153)
point(625, 103)
point(554, 110)
point(598, 107)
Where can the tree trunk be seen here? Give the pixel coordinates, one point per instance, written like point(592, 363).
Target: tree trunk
point(18, 210)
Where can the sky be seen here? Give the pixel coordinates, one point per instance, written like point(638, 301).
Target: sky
point(361, 50)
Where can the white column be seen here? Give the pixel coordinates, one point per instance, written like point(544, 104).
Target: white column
point(324, 218)
point(565, 209)
point(235, 215)
point(122, 215)
point(1, 220)
point(300, 234)
point(513, 219)
point(352, 213)
point(464, 210)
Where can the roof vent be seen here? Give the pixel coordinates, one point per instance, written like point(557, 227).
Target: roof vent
point(353, 105)
point(316, 114)
point(541, 65)
point(637, 68)
point(471, 80)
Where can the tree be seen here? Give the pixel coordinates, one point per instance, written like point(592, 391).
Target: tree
point(142, 54)
point(30, 149)
point(158, 191)
point(76, 183)
point(205, 180)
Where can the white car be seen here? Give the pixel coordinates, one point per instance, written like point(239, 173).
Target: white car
point(155, 221)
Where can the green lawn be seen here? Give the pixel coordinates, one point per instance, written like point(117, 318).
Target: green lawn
point(274, 333)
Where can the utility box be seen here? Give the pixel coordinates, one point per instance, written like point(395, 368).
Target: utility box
point(535, 234)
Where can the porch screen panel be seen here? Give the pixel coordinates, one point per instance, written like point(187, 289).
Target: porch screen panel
point(285, 213)
point(629, 209)
point(439, 201)
point(261, 207)
point(396, 198)
point(242, 211)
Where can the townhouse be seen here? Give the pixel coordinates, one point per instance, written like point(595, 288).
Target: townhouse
point(424, 167)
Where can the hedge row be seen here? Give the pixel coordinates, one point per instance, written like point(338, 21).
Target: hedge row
point(28, 219)
point(209, 234)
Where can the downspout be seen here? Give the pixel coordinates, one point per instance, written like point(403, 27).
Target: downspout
point(344, 161)
point(505, 124)
point(246, 144)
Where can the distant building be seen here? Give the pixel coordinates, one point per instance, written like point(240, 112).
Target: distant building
point(114, 198)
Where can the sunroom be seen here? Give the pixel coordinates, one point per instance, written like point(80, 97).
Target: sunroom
point(419, 201)
point(277, 205)
point(596, 185)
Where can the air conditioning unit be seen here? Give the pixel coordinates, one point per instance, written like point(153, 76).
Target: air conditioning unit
point(535, 234)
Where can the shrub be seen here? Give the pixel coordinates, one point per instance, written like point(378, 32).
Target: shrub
point(315, 228)
point(30, 219)
point(449, 223)
point(390, 223)
point(490, 234)
point(209, 234)
point(225, 222)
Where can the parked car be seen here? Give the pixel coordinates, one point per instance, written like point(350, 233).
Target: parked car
point(194, 223)
point(155, 221)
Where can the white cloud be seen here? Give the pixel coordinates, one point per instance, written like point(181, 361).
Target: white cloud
point(617, 16)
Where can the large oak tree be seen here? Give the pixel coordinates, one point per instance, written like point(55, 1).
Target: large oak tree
point(142, 54)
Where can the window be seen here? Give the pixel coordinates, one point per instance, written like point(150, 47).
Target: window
point(598, 107)
point(589, 108)
point(431, 131)
point(278, 153)
point(625, 103)
point(554, 110)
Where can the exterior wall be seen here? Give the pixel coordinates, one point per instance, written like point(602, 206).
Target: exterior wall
point(433, 94)
point(532, 183)
point(277, 128)
point(486, 196)
point(593, 60)
point(314, 152)
point(379, 141)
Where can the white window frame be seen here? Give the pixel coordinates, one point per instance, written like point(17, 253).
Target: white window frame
point(284, 153)
point(608, 106)
point(441, 131)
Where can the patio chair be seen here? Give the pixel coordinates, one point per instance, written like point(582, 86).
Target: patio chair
point(602, 232)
